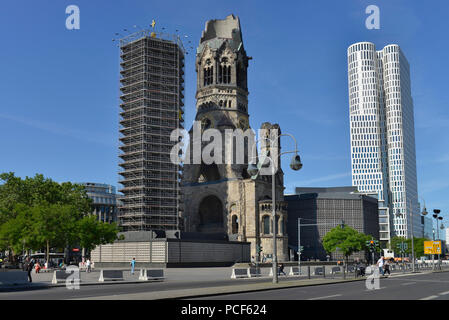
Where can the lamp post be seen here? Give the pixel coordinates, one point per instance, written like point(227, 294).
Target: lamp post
point(299, 245)
point(436, 217)
point(254, 170)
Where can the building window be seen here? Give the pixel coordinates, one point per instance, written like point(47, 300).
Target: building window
point(224, 74)
point(208, 75)
point(235, 225)
point(266, 224)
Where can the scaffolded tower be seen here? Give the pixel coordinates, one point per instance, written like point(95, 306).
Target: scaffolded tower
point(152, 105)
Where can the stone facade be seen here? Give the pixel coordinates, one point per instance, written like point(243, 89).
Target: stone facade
point(222, 197)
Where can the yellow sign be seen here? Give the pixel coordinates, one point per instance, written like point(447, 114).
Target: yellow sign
point(432, 247)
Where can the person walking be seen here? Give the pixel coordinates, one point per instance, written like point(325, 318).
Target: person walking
point(88, 265)
point(387, 267)
point(37, 267)
point(380, 264)
point(281, 269)
point(133, 264)
point(29, 268)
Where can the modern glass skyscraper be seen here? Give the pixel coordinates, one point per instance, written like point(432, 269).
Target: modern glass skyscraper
point(383, 134)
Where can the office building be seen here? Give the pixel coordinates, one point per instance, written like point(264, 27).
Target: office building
point(104, 200)
point(427, 227)
point(382, 133)
point(322, 209)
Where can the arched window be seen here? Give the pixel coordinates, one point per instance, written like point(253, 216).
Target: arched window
point(224, 74)
point(208, 75)
point(235, 224)
point(266, 224)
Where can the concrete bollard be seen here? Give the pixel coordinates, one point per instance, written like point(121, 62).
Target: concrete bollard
point(106, 275)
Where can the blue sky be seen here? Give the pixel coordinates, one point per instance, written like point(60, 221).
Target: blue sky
point(59, 87)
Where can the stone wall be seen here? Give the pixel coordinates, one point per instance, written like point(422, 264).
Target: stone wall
point(171, 252)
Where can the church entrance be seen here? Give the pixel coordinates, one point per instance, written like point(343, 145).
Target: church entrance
point(211, 215)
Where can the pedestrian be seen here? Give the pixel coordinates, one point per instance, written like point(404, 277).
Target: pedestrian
point(387, 267)
point(380, 264)
point(88, 265)
point(133, 264)
point(281, 269)
point(37, 267)
point(29, 264)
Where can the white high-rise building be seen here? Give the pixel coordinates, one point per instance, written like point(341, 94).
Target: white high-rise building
point(383, 135)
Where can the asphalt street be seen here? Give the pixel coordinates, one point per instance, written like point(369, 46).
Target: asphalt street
point(430, 286)
point(116, 289)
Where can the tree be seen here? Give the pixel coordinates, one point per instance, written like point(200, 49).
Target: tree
point(38, 213)
point(92, 232)
point(347, 239)
point(417, 242)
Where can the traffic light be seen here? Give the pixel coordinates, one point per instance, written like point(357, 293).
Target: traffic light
point(259, 249)
point(372, 244)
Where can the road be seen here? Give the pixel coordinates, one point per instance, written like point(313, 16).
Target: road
point(115, 289)
point(189, 283)
point(430, 286)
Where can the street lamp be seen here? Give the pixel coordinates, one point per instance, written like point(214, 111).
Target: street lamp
point(254, 169)
point(436, 212)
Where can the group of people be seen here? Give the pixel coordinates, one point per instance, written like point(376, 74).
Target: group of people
point(88, 264)
point(384, 265)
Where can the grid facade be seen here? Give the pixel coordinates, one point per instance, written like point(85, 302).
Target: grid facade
point(321, 212)
point(382, 134)
point(152, 106)
point(104, 200)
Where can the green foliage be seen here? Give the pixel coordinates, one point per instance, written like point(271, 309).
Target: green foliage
point(37, 212)
point(346, 239)
point(93, 232)
point(417, 242)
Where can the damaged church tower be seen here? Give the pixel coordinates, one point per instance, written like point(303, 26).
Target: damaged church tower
point(221, 198)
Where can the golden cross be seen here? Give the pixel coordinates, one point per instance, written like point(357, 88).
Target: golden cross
point(153, 23)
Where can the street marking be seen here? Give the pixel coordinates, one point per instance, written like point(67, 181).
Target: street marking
point(408, 283)
point(317, 298)
point(444, 293)
point(429, 298)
